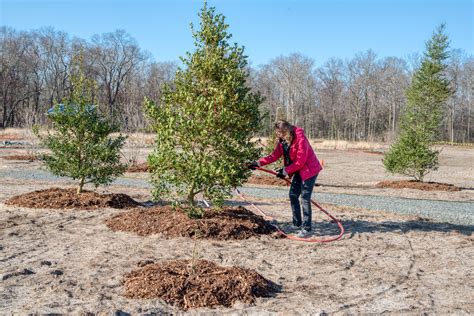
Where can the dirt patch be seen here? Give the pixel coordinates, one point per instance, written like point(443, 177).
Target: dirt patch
point(269, 180)
point(58, 198)
point(21, 157)
point(139, 167)
point(228, 223)
point(386, 263)
point(10, 137)
point(266, 180)
point(373, 152)
point(412, 184)
point(196, 283)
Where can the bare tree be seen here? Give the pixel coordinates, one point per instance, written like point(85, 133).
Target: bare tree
point(156, 75)
point(264, 80)
point(14, 74)
point(288, 83)
point(357, 99)
point(463, 119)
point(115, 55)
point(330, 91)
point(454, 73)
point(394, 79)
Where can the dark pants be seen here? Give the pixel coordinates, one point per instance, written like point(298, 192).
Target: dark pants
point(305, 189)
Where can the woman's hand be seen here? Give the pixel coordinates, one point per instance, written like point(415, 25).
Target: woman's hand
point(253, 165)
point(281, 173)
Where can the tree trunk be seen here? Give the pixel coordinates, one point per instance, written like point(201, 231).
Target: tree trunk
point(393, 120)
point(469, 124)
point(81, 185)
point(452, 124)
point(191, 196)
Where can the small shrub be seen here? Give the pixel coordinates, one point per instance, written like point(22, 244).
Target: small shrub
point(79, 141)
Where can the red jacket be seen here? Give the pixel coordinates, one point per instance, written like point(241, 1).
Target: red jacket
point(303, 158)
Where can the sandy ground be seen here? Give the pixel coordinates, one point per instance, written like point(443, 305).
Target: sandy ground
point(357, 171)
point(55, 261)
point(384, 263)
point(349, 171)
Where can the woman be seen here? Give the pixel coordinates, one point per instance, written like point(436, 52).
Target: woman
point(300, 164)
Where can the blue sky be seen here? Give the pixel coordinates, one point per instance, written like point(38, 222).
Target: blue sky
point(267, 28)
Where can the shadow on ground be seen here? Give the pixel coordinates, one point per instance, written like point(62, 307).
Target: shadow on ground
point(352, 227)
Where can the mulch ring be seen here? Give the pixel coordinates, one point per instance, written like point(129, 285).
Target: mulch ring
point(139, 167)
point(266, 180)
point(228, 223)
point(412, 184)
point(21, 157)
point(269, 180)
point(10, 137)
point(196, 283)
point(58, 198)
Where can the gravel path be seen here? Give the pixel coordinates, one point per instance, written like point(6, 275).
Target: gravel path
point(461, 213)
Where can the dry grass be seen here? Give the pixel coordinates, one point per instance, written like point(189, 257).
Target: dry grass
point(11, 134)
point(143, 139)
point(319, 143)
point(20, 133)
point(343, 144)
point(9, 130)
point(138, 140)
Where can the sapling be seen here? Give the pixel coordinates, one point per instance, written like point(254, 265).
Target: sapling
point(205, 120)
point(412, 154)
point(80, 142)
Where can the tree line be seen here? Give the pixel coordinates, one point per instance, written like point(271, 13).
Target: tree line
point(361, 98)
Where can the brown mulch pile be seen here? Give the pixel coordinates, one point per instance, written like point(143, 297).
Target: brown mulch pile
point(21, 157)
point(196, 283)
point(269, 180)
point(139, 167)
point(68, 198)
point(412, 184)
point(266, 180)
point(228, 223)
point(10, 137)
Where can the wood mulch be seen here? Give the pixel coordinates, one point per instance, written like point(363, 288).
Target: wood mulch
point(21, 157)
point(196, 283)
point(10, 137)
point(59, 198)
point(228, 223)
point(139, 167)
point(412, 184)
point(266, 180)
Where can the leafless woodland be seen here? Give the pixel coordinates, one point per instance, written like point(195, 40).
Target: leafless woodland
point(355, 99)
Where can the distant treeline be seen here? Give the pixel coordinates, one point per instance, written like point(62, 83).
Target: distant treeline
point(356, 99)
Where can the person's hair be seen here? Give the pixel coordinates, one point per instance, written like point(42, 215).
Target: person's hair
point(286, 128)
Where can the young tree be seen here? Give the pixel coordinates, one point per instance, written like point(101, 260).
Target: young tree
point(204, 123)
point(411, 154)
point(80, 143)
